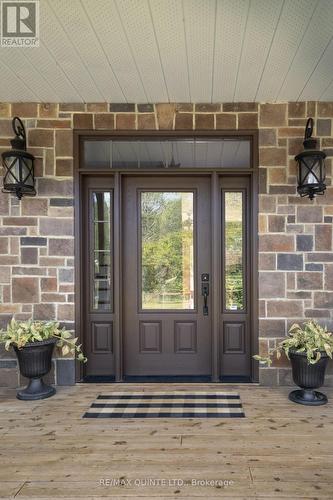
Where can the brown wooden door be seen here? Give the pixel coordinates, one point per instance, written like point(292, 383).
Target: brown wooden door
point(166, 251)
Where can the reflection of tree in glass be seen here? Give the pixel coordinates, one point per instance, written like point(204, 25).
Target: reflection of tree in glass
point(101, 206)
point(164, 237)
point(234, 267)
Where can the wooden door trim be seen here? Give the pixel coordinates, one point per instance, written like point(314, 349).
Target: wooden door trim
point(78, 268)
point(254, 187)
point(78, 138)
point(216, 254)
point(117, 286)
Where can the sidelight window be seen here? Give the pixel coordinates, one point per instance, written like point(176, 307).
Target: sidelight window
point(101, 249)
point(234, 296)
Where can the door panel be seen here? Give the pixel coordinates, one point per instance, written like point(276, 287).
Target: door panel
point(97, 250)
point(235, 345)
point(166, 249)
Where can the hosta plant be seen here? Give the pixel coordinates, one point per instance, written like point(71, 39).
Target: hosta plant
point(310, 338)
point(21, 333)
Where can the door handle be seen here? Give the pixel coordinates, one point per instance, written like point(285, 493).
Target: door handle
point(205, 293)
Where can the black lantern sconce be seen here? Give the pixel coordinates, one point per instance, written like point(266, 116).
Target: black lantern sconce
point(311, 166)
point(18, 164)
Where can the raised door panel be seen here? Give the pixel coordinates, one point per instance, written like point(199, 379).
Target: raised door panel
point(102, 340)
point(233, 338)
point(150, 336)
point(185, 336)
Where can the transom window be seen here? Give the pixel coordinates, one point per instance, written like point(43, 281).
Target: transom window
point(228, 153)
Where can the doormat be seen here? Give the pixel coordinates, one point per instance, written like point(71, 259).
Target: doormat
point(168, 404)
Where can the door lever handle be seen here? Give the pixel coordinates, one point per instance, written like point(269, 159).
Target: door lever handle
point(205, 293)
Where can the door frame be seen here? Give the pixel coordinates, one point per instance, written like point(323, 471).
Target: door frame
point(78, 138)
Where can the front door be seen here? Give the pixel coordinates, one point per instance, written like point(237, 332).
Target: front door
point(167, 279)
point(166, 276)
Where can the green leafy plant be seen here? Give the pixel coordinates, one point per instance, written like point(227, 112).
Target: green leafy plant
point(311, 339)
point(21, 333)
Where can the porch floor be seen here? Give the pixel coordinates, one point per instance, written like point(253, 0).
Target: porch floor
point(280, 450)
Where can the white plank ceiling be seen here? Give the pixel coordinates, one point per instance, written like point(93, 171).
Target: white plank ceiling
point(174, 51)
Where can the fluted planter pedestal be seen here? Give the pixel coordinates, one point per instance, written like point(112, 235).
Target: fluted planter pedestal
point(308, 377)
point(35, 362)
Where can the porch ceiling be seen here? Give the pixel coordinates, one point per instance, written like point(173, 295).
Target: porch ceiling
point(174, 50)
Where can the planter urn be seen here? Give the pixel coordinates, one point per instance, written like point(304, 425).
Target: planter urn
point(35, 360)
point(308, 377)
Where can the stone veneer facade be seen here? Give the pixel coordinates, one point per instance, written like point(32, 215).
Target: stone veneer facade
point(295, 234)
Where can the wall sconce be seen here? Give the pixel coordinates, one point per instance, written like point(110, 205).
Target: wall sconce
point(311, 166)
point(18, 164)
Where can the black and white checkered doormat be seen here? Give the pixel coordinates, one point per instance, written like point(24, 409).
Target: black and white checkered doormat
point(168, 404)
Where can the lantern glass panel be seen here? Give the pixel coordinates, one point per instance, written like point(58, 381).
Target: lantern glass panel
point(27, 178)
point(310, 171)
point(13, 172)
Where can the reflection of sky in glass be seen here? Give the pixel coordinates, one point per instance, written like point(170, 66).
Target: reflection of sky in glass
point(233, 207)
point(174, 196)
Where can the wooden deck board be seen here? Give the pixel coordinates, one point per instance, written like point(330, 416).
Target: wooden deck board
point(280, 450)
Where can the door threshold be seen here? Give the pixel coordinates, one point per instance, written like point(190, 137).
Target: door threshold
point(95, 379)
point(168, 378)
point(235, 379)
point(187, 379)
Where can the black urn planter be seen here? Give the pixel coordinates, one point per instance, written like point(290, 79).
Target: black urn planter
point(35, 362)
point(308, 377)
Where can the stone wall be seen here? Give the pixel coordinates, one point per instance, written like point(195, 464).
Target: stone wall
point(295, 235)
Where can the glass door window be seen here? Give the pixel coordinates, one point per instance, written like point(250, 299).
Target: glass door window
point(167, 250)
